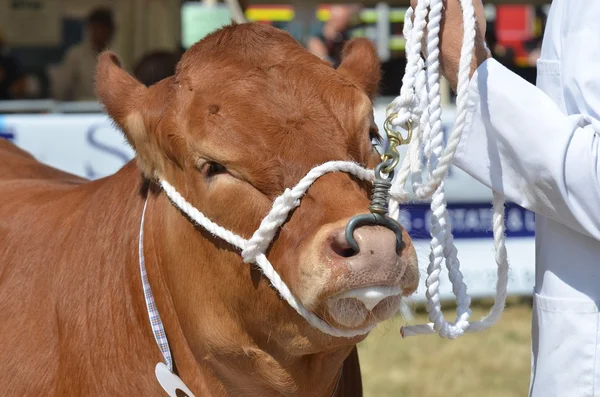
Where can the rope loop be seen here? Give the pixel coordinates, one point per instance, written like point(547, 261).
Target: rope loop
point(419, 103)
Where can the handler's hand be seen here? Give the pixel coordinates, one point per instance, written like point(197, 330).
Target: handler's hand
point(451, 39)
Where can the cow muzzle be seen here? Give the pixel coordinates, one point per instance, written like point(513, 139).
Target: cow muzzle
point(366, 285)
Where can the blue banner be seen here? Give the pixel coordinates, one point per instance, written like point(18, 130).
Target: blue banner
point(5, 133)
point(468, 220)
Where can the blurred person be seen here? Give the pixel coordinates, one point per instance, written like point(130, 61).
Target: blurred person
point(329, 43)
point(539, 145)
point(74, 79)
point(12, 78)
point(504, 55)
point(533, 48)
point(156, 66)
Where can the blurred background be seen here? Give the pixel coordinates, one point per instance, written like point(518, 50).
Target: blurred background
point(47, 106)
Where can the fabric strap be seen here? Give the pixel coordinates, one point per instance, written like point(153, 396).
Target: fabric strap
point(155, 322)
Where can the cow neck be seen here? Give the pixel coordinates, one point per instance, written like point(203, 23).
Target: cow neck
point(170, 338)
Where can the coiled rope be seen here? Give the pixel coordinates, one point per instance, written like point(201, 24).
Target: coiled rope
point(418, 107)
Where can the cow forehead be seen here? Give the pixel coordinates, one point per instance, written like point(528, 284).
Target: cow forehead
point(300, 119)
point(270, 153)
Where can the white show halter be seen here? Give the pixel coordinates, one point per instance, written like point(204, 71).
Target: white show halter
point(253, 250)
point(418, 107)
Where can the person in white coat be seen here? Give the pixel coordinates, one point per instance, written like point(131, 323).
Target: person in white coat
point(540, 145)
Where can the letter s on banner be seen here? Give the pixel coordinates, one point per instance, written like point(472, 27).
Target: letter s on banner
point(111, 147)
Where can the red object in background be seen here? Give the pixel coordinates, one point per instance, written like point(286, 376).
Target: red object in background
point(514, 25)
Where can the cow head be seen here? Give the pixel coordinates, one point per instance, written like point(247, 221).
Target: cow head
point(248, 113)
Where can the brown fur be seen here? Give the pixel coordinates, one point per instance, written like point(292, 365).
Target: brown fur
point(74, 320)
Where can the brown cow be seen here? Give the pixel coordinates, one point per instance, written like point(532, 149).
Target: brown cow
point(247, 114)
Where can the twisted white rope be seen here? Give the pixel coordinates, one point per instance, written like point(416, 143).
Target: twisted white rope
point(425, 118)
point(253, 249)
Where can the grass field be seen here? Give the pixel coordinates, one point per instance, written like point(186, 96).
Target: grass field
point(494, 363)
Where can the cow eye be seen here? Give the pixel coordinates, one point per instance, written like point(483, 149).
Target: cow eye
point(212, 168)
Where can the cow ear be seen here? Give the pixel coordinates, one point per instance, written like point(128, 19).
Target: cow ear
point(361, 65)
point(128, 102)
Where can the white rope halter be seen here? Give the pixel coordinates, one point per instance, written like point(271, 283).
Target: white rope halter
point(419, 106)
point(253, 250)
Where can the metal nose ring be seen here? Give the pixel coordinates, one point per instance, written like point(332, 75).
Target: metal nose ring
point(373, 220)
point(378, 208)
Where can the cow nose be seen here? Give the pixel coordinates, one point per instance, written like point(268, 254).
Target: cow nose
point(368, 280)
point(376, 263)
point(375, 243)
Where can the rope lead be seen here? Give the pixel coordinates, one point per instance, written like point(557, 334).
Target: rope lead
point(419, 107)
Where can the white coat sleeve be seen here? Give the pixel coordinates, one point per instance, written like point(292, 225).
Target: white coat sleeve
point(519, 142)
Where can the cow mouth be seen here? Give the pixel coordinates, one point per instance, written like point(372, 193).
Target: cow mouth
point(366, 306)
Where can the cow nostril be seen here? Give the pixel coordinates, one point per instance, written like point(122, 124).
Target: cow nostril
point(341, 247)
point(345, 252)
